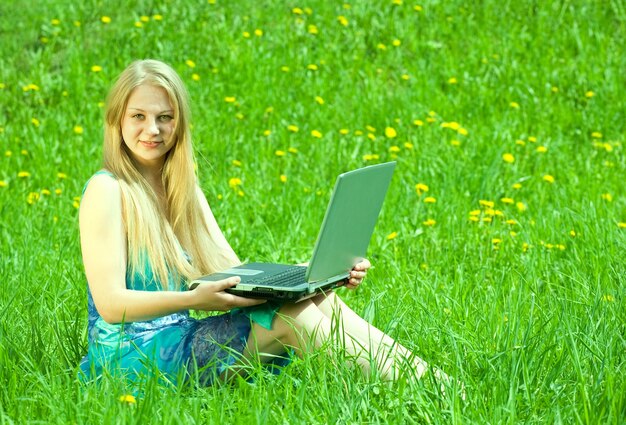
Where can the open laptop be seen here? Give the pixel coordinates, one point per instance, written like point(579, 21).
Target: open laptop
point(342, 242)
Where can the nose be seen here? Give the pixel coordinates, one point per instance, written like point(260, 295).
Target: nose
point(152, 127)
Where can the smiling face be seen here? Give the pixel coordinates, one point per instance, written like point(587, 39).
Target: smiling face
point(148, 125)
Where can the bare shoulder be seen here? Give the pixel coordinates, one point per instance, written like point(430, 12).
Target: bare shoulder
point(102, 197)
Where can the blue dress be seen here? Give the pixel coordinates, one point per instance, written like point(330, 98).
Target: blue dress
point(174, 347)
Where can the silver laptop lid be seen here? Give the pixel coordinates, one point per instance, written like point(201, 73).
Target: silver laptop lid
point(349, 222)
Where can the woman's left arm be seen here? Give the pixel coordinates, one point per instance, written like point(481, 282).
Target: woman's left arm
point(214, 229)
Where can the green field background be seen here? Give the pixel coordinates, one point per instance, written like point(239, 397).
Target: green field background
point(499, 254)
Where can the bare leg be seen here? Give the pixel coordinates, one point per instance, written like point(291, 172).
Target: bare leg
point(305, 327)
point(381, 344)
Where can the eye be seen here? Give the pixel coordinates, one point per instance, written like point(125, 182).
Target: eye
point(139, 116)
point(165, 118)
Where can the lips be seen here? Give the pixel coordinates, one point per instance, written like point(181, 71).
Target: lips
point(149, 144)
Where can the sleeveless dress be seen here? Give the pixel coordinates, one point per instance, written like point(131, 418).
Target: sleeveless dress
point(173, 347)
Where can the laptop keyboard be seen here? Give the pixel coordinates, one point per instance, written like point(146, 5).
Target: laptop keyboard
point(290, 277)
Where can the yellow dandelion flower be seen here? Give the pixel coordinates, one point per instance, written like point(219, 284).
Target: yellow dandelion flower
point(284, 68)
point(96, 68)
point(297, 11)
point(312, 29)
point(344, 131)
point(608, 298)
point(23, 174)
point(490, 212)
point(371, 136)
point(3, 183)
point(246, 34)
point(8, 153)
point(541, 149)
point(473, 218)
point(230, 99)
point(452, 80)
point(486, 204)
point(532, 139)
point(421, 188)
point(55, 22)
point(548, 178)
point(418, 8)
point(292, 150)
point(58, 191)
point(358, 133)
point(2, 86)
point(319, 100)
point(266, 133)
point(381, 46)
point(370, 129)
point(370, 157)
point(596, 135)
point(258, 32)
point(474, 213)
point(61, 175)
point(418, 123)
point(589, 94)
point(343, 20)
point(506, 200)
point(430, 200)
point(45, 192)
point(517, 186)
point(521, 206)
point(519, 142)
point(190, 63)
point(283, 178)
point(607, 197)
point(554, 89)
point(105, 20)
point(462, 131)
point(572, 233)
point(236, 163)
point(508, 158)
point(293, 128)
point(279, 153)
point(312, 67)
point(487, 219)
point(195, 77)
point(405, 77)
point(514, 105)
point(32, 197)
point(525, 247)
point(316, 133)
point(78, 129)
point(77, 23)
point(429, 222)
point(234, 182)
point(496, 241)
point(127, 398)
point(138, 24)
point(455, 143)
point(396, 43)
point(394, 149)
point(511, 222)
point(157, 17)
point(390, 132)
point(35, 122)
point(621, 225)
point(408, 145)
point(392, 235)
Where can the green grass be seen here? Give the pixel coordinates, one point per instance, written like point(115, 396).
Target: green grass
point(533, 324)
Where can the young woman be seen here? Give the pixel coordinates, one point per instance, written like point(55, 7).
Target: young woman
point(146, 229)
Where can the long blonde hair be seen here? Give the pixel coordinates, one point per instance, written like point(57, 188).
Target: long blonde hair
point(157, 237)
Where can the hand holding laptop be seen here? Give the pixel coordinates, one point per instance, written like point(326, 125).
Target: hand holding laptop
point(213, 296)
point(357, 274)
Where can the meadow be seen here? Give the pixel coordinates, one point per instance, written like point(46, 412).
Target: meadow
point(498, 255)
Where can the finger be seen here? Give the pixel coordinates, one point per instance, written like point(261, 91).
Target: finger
point(221, 285)
point(357, 274)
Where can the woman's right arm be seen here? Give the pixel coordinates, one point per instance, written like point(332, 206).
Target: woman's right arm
point(103, 243)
